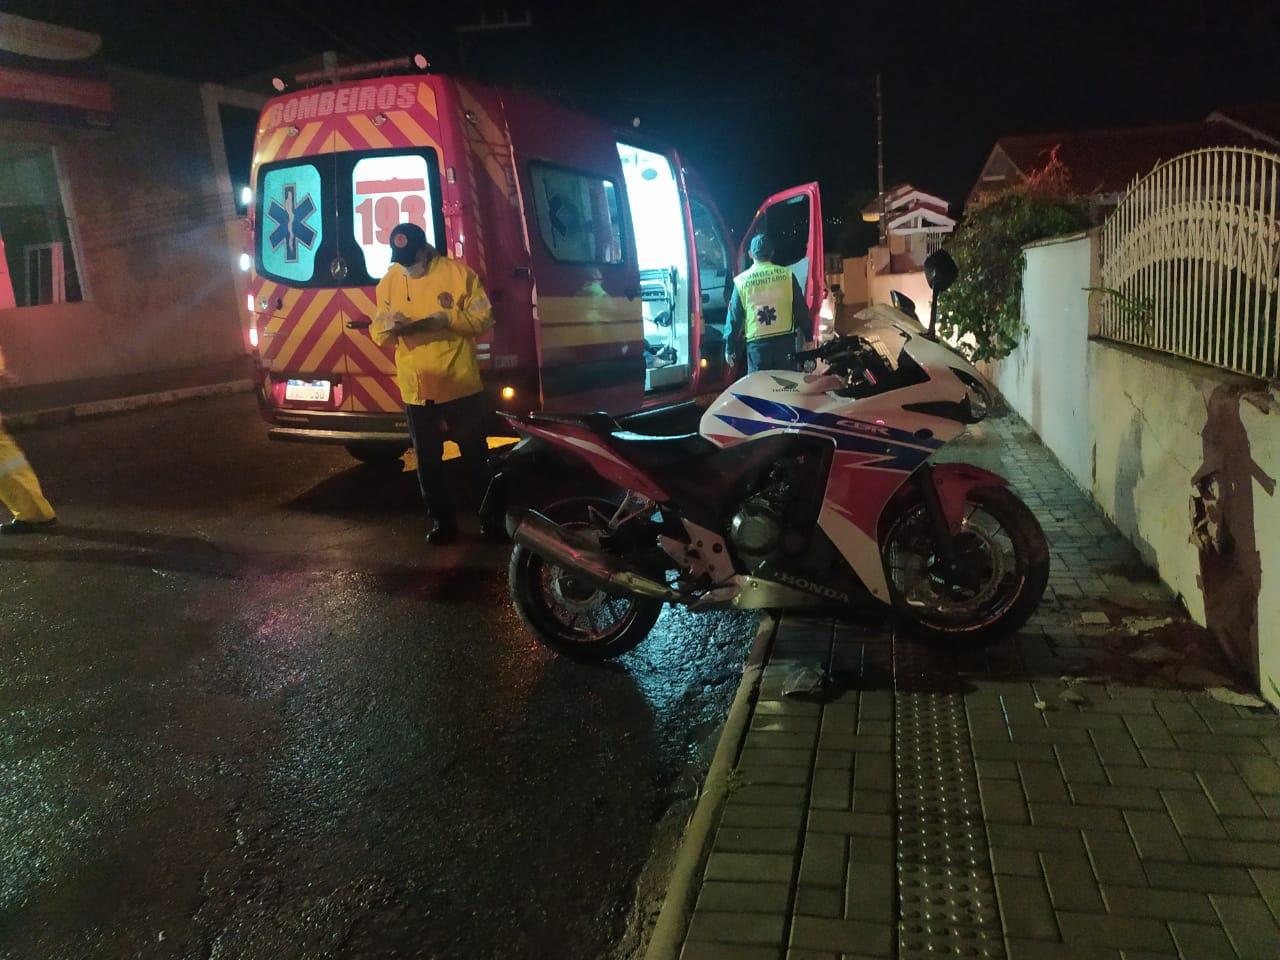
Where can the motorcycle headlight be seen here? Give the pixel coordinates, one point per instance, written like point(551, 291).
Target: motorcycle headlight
point(977, 396)
point(978, 403)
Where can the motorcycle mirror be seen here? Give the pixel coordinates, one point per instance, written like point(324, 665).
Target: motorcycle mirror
point(940, 270)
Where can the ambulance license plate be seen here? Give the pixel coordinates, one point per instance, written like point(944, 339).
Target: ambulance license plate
point(310, 391)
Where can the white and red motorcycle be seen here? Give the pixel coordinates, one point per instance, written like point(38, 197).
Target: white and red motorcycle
point(798, 491)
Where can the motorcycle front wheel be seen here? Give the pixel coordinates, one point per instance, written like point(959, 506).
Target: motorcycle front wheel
point(1001, 572)
point(571, 616)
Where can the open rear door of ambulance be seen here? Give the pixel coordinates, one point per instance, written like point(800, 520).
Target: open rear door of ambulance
point(300, 309)
point(792, 219)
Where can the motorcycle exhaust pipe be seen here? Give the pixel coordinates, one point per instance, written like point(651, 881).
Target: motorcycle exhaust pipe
point(557, 545)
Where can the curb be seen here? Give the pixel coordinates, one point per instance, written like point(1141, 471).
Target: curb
point(667, 937)
point(139, 401)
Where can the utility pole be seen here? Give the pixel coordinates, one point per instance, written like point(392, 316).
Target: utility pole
point(485, 25)
point(880, 155)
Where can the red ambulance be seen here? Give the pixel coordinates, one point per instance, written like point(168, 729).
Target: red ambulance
point(603, 255)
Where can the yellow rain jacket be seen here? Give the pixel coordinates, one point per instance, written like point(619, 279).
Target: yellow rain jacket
point(438, 365)
point(19, 488)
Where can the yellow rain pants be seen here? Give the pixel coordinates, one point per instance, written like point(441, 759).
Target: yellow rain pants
point(19, 488)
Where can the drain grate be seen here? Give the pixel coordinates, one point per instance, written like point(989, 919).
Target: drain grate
point(946, 891)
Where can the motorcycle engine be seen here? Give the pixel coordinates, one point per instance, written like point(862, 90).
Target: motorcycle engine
point(756, 528)
point(759, 527)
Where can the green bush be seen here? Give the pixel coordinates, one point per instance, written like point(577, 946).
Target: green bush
point(985, 303)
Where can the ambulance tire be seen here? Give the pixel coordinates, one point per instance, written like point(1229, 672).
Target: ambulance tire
point(376, 453)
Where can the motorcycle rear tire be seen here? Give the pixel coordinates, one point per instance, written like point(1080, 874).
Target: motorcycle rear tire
point(524, 575)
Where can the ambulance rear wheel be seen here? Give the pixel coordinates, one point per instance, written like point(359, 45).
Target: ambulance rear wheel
point(375, 453)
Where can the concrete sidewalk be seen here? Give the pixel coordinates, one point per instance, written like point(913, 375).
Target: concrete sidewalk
point(1071, 792)
point(35, 405)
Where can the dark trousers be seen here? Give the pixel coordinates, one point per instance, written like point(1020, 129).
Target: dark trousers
point(771, 353)
point(461, 421)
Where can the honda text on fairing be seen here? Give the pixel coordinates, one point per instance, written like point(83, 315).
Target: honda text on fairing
point(798, 491)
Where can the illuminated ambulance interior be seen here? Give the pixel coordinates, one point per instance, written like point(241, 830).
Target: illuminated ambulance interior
point(657, 218)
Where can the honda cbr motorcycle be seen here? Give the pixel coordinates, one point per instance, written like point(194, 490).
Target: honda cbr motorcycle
point(799, 491)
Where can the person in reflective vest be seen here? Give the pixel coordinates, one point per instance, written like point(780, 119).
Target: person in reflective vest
point(433, 309)
point(19, 488)
point(766, 311)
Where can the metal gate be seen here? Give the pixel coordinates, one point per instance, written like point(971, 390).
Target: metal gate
point(1190, 261)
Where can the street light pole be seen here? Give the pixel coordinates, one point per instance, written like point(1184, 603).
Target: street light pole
point(880, 155)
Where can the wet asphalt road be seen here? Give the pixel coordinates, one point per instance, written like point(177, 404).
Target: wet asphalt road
point(246, 713)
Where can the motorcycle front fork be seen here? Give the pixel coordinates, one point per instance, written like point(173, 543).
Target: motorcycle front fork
point(937, 519)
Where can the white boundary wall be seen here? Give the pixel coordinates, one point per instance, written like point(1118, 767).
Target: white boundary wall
point(1046, 378)
point(1133, 427)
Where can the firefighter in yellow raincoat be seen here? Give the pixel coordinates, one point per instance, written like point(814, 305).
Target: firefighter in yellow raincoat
point(434, 308)
point(19, 488)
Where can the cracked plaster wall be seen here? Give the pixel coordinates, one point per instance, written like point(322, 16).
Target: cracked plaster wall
point(1133, 427)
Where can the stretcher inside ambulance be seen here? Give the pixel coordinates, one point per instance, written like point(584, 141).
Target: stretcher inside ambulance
point(604, 258)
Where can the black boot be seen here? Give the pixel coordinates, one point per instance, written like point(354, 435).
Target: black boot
point(493, 530)
point(26, 526)
point(442, 534)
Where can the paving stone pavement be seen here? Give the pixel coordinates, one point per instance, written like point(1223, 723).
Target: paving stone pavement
point(1069, 793)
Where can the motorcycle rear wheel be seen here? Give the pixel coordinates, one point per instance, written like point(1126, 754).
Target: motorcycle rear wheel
point(573, 618)
point(1004, 568)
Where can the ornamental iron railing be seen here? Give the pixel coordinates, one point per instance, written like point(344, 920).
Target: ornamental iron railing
point(1190, 261)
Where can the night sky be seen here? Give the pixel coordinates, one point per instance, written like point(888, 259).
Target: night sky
point(758, 101)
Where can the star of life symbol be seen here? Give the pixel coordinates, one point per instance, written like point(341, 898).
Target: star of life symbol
point(766, 315)
point(291, 226)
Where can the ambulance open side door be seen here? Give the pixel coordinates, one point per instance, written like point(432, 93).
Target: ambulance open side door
point(792, 219)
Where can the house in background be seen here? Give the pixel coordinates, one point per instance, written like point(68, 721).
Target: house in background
point(916, 224)
point(120, 221)
point(1101, 164)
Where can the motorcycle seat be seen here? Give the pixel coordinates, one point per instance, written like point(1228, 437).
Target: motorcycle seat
point(596, 422)
point(653, 453)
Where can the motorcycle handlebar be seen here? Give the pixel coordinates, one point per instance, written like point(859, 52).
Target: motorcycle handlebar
point(828, 350)
point(800, 356)
point(848, 355)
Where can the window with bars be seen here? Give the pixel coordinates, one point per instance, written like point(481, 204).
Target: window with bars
point(33, 227)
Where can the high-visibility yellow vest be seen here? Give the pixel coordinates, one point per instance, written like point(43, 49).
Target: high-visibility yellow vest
point(765, 293)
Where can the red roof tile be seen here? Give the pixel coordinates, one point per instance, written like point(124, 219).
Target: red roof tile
point(1106, 161)
point(1261, 118)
